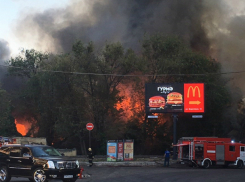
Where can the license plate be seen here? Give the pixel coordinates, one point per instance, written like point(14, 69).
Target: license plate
point(68, 176)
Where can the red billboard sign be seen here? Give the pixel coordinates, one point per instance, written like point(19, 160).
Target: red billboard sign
point(194, 97)
point(120, 151)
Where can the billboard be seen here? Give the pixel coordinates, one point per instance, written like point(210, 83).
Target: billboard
point(162, 98)
point(128, 150)
point(174, 98)
point(111, 150)
point(194, 97)
point(120, 150)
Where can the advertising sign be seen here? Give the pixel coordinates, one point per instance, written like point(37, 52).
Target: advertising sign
point(111, 150)
point(174, 98)
point(161, 98)
point(120, 150)
point(194, 97)
point(128, 150)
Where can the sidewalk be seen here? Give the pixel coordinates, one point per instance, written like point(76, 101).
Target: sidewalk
point(172, 163)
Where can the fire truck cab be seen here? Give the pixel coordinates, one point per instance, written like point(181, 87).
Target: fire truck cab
point(208, 151)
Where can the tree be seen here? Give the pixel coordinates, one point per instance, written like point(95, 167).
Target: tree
point(101, 88)
point(7, 124)
point(169, 60)
point(64, 92)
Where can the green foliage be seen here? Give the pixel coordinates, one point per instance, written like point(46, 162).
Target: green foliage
point(7, 125)
point(64, 92)
point(178, 63)
point(27, 64)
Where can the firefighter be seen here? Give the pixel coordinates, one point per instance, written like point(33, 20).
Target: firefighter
point(90, 157)
point(167, 156)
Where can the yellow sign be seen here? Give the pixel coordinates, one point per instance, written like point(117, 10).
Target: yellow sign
point(193, 91)
point(195, 102)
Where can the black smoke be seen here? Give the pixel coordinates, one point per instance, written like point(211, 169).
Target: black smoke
point(4, 55)
point(208, 26)
point(126, 21)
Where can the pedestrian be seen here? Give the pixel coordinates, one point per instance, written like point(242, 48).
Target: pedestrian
point(167, 156)
point(90, 157)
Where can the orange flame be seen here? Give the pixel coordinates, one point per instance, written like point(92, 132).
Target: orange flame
point(21, 128)
point(22, 125)
point(130, 102)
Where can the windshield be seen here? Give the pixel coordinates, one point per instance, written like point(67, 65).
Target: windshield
point(43, 151)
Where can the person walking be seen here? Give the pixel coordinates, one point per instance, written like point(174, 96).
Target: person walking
point(167, 156)
point(90, 157)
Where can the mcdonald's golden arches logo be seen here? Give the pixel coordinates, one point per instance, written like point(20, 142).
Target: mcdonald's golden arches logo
point(193, 91)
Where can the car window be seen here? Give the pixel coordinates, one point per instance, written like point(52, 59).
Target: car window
point(25, 152)
point(42, 151)
point(5, 150)
point(15, 152)
point(3, 153)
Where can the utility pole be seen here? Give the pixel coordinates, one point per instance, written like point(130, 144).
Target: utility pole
point(175, 118)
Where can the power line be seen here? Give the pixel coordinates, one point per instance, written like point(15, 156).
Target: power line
point(129, 75)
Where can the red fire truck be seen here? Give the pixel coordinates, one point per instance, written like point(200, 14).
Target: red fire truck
point(207, 151)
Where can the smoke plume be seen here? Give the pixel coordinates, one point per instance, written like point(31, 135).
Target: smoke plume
point(215, 28)
point(4, 50)
point(4, 55)
point(113, 20)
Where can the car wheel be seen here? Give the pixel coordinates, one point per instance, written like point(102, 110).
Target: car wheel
point(240, 164)
point(4, 175)
point(39, 175)
point(206, 164)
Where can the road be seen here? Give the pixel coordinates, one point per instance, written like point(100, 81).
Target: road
point(157, 174)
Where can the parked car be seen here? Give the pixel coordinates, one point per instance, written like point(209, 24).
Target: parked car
point(38, 163)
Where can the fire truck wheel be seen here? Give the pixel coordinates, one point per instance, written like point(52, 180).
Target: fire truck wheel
point(240, 164)
point(206, 164)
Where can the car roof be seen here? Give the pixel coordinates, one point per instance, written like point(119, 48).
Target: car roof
point(24, 145)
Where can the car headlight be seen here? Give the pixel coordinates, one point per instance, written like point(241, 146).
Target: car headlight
point(50, 164)
point(77, 163)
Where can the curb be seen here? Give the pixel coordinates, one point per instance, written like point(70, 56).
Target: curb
point(128, 163)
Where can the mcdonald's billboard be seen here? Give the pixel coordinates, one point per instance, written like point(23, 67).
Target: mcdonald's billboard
point(174, 97)
point(194, 97)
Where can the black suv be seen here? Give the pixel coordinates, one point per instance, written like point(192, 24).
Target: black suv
point(36, 162)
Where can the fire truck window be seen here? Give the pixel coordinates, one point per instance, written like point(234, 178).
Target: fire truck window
point(242, 149)
point(232, 148)
point(186, 151)
point(198, 152)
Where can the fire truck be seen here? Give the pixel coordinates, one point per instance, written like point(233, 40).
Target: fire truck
point(209, 151)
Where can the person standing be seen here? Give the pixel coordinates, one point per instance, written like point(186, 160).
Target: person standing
point(167, 156)
point(90, 157)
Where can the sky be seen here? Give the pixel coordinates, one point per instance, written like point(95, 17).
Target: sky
point(11, 12)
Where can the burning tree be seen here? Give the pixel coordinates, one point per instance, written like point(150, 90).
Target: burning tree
point(64, 92)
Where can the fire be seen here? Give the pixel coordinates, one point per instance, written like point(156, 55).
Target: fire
point(133, 103)
point(130, 102)
point(22, 125)
point(21, 128)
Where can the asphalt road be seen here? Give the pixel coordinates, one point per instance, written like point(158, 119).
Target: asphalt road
point(157, 174)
